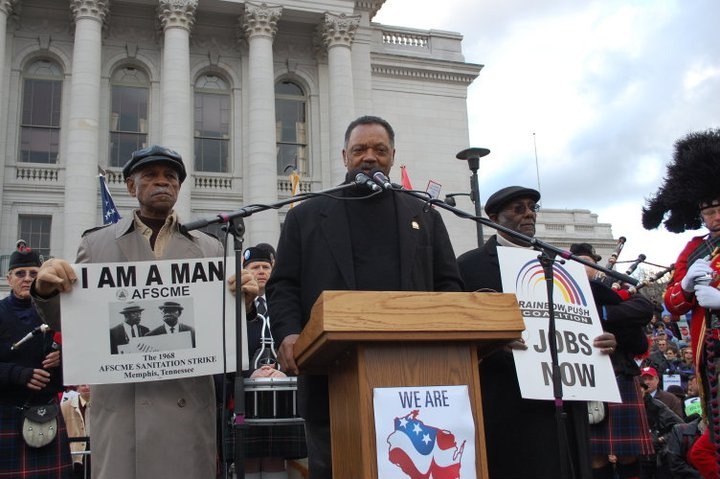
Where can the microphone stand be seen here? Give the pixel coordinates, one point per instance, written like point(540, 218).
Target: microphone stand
point(560, 416)
point(236, 227)
point(537, 244)
point(546, 259)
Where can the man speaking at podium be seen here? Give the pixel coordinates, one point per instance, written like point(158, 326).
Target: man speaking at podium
point(387, 242)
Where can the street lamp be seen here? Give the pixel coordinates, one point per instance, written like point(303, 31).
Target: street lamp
point(450, 198)
point(472, 156)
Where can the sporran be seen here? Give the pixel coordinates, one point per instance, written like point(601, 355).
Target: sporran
point(40, 424)
point(597, 410)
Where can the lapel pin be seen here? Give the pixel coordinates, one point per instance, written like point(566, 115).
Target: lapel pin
point(415, 225)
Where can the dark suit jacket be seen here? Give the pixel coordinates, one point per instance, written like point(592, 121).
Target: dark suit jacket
point(181, 327)
point(315, 254)
point(521, 434)
point(118, 336)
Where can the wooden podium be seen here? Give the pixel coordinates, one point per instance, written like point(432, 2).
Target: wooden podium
point(368, 339)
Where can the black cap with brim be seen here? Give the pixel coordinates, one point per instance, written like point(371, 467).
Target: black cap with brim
point(584, 249)
point(171, 305)
point(155, 154)
point(502, 197)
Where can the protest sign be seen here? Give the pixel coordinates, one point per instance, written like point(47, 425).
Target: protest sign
point(586, 373)
point(424, 432)
point(148, 320)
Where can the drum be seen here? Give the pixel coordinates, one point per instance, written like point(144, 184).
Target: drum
point(270, 401)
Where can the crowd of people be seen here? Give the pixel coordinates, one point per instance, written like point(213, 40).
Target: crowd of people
point(667, 424)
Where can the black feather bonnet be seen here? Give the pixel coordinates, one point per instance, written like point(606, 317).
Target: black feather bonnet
point(692, 178)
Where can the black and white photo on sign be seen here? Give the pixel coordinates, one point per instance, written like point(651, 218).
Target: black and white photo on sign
point(151, 325)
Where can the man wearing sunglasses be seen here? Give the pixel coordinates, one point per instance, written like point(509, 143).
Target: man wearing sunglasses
point(511, 420)
point(29, 375)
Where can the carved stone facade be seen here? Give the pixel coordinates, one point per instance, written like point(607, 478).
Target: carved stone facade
point(177, 13)
point(97, 9)
point(366, 68)
point(260, 20)
point(6, 6)
point(338, 29)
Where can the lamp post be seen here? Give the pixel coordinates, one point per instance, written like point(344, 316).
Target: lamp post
point(472, 156)
point(450, 198)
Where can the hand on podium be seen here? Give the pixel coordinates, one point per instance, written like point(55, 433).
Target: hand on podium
point(286, 355)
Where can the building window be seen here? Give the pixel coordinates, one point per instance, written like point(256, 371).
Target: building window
point(291, 128)
point(40, 124)
point(35, 230)
point(128, 114)
point(212, 124)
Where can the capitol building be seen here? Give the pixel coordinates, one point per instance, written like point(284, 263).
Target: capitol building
point(247, 92)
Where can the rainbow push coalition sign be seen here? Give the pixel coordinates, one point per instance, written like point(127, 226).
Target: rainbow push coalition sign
point(586, 373)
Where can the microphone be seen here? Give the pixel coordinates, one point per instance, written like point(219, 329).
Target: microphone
point(361, 179)
point(641, 257)
point(40, 329)
point(382, 180)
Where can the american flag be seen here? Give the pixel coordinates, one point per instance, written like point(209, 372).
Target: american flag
point(423, 451)
point(110, 212)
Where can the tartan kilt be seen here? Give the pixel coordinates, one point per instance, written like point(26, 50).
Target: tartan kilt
point(625, 430)
point(18, 461)
point(286, 441)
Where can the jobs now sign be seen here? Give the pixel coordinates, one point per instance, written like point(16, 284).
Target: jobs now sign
point(586, 373)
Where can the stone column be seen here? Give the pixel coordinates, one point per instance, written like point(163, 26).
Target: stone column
point(337, 33)
point(6, 8)
point(177, 18)
point(82, 149)
point(258, 26)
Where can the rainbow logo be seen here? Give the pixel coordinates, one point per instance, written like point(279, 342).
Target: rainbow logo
point(531, 277)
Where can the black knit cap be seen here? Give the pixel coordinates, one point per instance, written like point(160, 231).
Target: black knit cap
point(502, 197)
point(691, 180)
point(26, 258)
point(154, 154)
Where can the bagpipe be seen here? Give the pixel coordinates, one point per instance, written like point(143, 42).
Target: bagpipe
point(626, 290)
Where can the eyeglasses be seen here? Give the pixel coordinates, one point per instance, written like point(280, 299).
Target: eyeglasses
point(21, 273)
point(519, 208)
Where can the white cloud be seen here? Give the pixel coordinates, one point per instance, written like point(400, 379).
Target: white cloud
point(607, 86)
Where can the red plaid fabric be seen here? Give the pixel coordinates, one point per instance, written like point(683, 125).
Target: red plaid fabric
point(625, 431)
point(18, 461)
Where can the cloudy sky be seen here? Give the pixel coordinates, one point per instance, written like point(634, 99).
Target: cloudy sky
point(602, 88)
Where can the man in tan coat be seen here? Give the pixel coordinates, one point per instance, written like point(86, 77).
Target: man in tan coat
point(151, 429)
point(74, 411)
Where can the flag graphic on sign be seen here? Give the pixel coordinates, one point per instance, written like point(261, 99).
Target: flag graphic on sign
point(110, 212)
point(423, 451)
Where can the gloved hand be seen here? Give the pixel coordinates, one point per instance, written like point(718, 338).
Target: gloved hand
point(707, 296)
point(697, 270)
